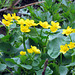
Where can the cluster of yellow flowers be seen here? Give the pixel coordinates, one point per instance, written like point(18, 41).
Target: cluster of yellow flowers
point(25, 24)
point(68, 31)
point(33, 49)
point(8, 19)
point(53, 27)
point(66, 47)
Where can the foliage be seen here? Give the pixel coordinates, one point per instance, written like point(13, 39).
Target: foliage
point(5, 3)
point(29, 42)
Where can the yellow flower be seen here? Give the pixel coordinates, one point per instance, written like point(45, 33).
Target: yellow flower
point(71, 45)
point(24, 29)
point(67, 31)
point(44, 24)
point(7, 23)
point(64, 48)
point(8, 17)
point(30, 50)
point(53, 29)
point(33, 47)
point(73, 31)
point(56, 25)
point(30, 23)
point(35, 50)
point(15, 17)
point(21, 21)
point(22, 53)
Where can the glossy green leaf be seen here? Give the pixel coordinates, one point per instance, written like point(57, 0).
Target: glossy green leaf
point(64, 2)
point(54, 43)
point(35, 63)
point(63, 70)
point(39, 72)
point(48, 71)
point(17, 60)
point(71, 64)
point(2, 67)
point(26, 66)
point(7, 48)
point(1, 35)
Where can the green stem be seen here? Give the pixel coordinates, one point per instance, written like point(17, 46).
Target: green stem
point(72, 59)
point(70, 38)
point(36, 30)
point(44, 49)
point(24, 42)
point(8, 70)
point(72, 49)
point(8, 30)
point(41, 32)
point(47, 38)
point(61, 58)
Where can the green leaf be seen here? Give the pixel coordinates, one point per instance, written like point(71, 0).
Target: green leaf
point(73, 37)
point(17, 60)
point(35, 63)
point(63, 70)
point(27, 66)
point(54, 43)
point(2, 67)
point(1, 26)
point(71, 64)
point(13, 25)
point(11, 60)
point(55, 68)
point(44, 56)
point(39, 72)
point(23, 59)
point(7, 48)
point(64, 2)
point(1, 35)
point(6, 38)
point(48, 71)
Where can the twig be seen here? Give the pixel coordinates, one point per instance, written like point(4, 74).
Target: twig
point(28, 5)
point(45, 65)
point(4, 9)
point(17, 2)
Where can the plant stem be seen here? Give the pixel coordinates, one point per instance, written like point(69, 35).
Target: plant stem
point(36, 30)
point(70, 38)
point(24, 42)
point(8, 70)
point(8, 30)
point(47, 38)
point(72, 49)
point(41, 32)
point(61, 58)
point(72, 59)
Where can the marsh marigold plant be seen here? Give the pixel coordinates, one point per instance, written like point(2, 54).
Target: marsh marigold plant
point(22, 53)
point(68, 31)
point(33, 49)
point(54, 26)
point(64, 48)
